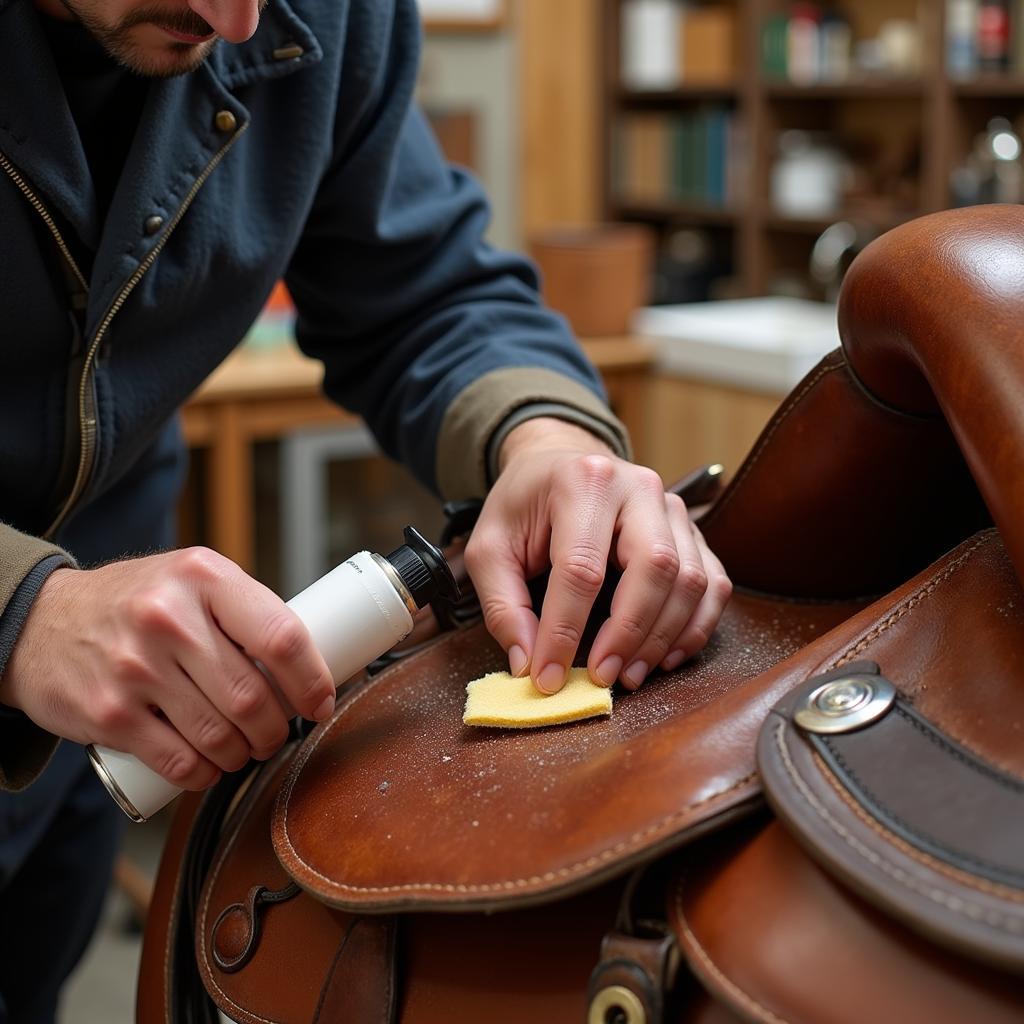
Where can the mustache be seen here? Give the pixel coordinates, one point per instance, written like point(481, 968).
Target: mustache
point(187, 22)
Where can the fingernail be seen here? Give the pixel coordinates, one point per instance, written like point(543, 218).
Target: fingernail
point(673, 660)
point(636, 673)
point(517, 660)
point(550, 680)
point(324, 709)
point(609, 669)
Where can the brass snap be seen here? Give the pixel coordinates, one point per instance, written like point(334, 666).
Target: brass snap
point(616, 1004)
point(225, 121)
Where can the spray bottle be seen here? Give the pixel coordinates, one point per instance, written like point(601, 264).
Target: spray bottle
point(354, 614)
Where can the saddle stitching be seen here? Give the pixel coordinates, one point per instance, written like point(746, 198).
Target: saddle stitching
point(747, 1001)
point(518, 883)
point(911, 602)
point(762, 443)
point(926, 859)
point(954, 904)
point(910, 828)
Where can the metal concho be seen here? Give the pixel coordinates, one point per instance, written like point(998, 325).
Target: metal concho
point(844, 704)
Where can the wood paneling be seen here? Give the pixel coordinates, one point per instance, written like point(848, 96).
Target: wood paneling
point(693, 423)
point(560, 92)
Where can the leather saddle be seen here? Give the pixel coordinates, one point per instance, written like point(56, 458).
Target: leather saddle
point(819, 820)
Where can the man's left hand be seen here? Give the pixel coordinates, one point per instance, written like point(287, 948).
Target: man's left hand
point(563, 499)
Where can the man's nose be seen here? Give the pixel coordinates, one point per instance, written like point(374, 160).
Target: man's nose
point(233, 20)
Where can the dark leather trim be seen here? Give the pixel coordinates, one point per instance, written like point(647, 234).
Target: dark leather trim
point(933, 793)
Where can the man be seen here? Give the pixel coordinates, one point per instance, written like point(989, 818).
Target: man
point(163, 163)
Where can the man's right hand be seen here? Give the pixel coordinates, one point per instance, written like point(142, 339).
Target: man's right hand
point(156, 657)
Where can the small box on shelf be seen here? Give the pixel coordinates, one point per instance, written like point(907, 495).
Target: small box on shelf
point(668, 44)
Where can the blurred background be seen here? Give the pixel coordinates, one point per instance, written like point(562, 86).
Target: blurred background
point(693, 180)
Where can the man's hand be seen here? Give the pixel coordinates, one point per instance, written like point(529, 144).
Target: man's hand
point(155, 657)
point(562, 498)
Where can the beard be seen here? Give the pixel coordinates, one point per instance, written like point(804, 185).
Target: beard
point(163, 59)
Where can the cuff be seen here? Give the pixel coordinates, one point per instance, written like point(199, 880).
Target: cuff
point(556, 410)
point(25, 564)
point(468, 431)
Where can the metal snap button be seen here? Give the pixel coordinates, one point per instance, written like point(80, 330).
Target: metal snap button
point(151, 225)
point(844, 704)
point(225, 121)
point(616, 1004)
point(290, 51)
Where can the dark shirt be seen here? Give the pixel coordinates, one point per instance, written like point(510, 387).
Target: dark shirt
point(105, 100)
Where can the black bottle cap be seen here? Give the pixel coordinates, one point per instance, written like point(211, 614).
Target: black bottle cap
point(423, 569)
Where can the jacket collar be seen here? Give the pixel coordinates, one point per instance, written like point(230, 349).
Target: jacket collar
point(38, 135)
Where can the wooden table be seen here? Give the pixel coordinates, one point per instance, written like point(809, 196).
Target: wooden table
point(263, 395)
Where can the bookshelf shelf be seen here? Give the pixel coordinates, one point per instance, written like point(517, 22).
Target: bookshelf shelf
point(906, 132)
point(867, 88)
point(697, 213)
point(994, 86)
point(815, 225)
point(672, 97)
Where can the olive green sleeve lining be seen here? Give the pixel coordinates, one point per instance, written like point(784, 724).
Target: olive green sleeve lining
point(480, 409)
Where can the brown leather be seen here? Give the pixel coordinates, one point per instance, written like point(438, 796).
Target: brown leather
point(522, 965)
point(777, 939)
point(838, 497)
point(425, 811)
point(154, 985)
point(920, 819)
point(358, 990)
point(858, 487)
point(930, 316)
point(298, 950)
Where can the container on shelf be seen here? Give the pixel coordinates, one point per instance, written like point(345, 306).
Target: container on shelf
point(597, 276)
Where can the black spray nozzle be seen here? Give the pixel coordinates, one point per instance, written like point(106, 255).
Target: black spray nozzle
point(423, 569)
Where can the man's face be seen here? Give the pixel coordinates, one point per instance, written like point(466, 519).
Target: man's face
point(161, 38)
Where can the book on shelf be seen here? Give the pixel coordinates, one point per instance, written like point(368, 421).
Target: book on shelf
point(691, 157)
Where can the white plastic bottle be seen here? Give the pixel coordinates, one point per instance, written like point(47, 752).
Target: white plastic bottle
point(354, 614)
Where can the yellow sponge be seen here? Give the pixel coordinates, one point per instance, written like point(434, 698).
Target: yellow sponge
point(501, 699)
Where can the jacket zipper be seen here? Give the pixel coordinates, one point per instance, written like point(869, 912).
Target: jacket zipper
point(87, 422)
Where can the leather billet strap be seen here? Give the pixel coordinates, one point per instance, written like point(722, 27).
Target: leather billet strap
point(911, 818)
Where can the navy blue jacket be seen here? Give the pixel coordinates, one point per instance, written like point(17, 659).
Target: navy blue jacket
point(298, 154)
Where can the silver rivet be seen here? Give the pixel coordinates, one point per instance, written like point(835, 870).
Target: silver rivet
point(844, 704)
point(842, 697)
point(153, 224)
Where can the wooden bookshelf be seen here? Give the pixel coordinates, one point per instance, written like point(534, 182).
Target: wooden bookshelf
point(904, 133)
